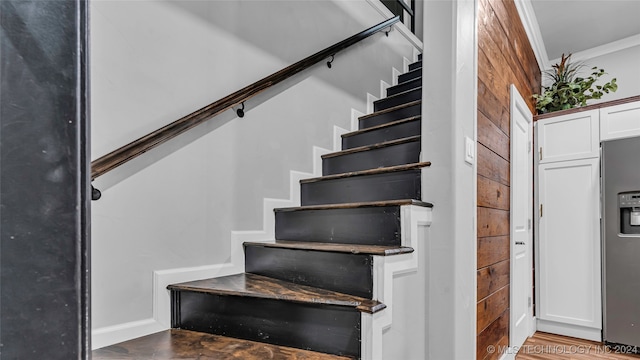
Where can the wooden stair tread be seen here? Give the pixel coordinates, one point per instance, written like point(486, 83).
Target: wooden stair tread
point(336, 247)
point(358, 205)
point(382, 170)
point(185, 344)
point(382, 126)
point(372, 147)
point(409, 104)
point(256, 286)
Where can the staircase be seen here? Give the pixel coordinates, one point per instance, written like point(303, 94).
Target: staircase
point(314, 292)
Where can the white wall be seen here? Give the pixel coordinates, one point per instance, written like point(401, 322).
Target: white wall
point(155, 61)
point(449, 115)
point(622, 64)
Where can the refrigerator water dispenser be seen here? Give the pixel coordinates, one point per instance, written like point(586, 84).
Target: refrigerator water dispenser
point(629, 204)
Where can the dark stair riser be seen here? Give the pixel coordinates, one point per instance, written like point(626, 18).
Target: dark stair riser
point(399, 131)
point(365, 225)
point(376, 187)
point(398, 99)
point(325, 328)
point(400, 154)
point(410, 75)
point(420, 57)
point(415, 65)
point(346, 273)
point(409, 85)
point(390, 116)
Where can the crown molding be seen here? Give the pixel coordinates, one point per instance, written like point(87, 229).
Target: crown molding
point(605, 49)
point(531, 27)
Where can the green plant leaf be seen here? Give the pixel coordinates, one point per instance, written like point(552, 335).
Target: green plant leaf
point(569, 90)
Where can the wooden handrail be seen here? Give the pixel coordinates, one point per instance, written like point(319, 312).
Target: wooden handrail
point(138, 147)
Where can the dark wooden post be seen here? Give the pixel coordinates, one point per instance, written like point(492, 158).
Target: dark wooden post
point(44, 180)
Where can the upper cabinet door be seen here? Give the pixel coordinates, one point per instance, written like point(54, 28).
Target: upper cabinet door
point(569, 137)
point(620, 121)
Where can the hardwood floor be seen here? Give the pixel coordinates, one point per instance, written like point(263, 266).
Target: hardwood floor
point(555, 347)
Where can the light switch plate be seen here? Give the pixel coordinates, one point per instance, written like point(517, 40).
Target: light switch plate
point(469, 150)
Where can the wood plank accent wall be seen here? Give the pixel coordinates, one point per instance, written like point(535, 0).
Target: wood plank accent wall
point(505, 57)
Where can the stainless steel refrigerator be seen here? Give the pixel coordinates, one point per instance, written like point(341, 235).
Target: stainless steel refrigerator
point(621, 241)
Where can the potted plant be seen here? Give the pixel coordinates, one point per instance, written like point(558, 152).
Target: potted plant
point(568, 90)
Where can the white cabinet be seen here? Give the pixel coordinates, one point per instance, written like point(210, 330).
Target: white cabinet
point(569, 137)
point(569, 247)
point(620, 121)
point(568, 229)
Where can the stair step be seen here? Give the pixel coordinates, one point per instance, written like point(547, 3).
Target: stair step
point(342, 272)
point(409, 85)
point(410, 75)
point(398, 99)
point(389, 153)
point(262, 287)
point(260, 308)
point(415, 65)
point(339, 267)
point(388, 183)
point(385, 132)
point(390, 115)
point(368, 223)
point(336, 248)
point(184, 344)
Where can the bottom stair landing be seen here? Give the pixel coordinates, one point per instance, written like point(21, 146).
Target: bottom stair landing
point(184, 344)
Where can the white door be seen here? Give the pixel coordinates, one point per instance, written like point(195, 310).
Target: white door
point(521, 220)
point(569, 246)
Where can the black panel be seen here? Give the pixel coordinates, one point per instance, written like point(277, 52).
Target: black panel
point(366, 225)
point(415, 83)
point(625, 223)
point(324, 328)
point(44, 181)
point(410, 75)
point(402, 130)
point(403, 98)
point(415, 65)
point(405, 153)
point(386, 117)
point(395, 7)
point(343, 272)
point(379, 187)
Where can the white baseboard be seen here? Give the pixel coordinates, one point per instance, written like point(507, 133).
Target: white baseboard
point(370, 100)
point(337, 137)
point(509, 355)
point(383, 88)
point(114, 334)
point(355, 114)
point(581, 332)
point(394, 75)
